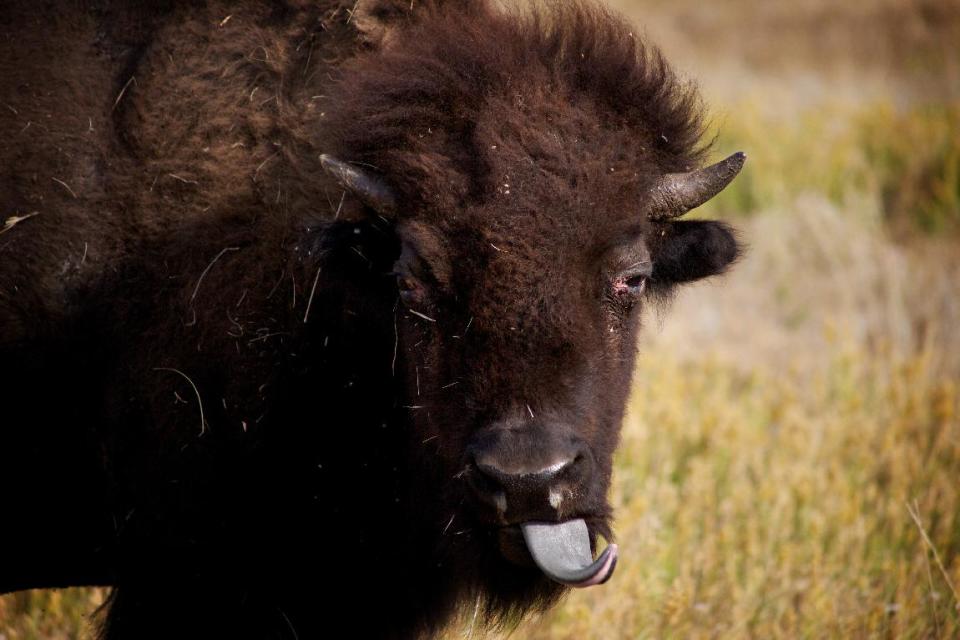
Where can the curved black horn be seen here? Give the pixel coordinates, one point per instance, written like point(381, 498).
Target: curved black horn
point(676, 193)
point(370, 188)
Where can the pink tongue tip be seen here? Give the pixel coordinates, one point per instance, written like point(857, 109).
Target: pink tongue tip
point(562, 552)
point(605, 572)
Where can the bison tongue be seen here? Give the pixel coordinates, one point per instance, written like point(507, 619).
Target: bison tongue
point(562, 551)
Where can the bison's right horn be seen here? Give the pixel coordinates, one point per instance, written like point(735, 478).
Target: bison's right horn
point(371, 189)
point(676, 193)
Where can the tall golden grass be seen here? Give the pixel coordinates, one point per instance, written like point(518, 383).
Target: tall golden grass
point(63, 614)
point(778, 505)
point(908, 157)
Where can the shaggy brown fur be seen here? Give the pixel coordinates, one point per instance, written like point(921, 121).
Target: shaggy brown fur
point(215, 398)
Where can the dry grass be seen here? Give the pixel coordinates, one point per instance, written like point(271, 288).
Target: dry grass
point(48, 615)
point(908, 158)
point(775, 506)
point(799, 52)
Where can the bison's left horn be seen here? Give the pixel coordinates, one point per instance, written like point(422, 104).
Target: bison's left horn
point(370, 188)
point(676, 193)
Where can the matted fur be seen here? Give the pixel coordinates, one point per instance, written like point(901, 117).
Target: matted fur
point(216, 401)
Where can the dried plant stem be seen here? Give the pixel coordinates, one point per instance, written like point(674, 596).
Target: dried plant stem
point(915, 514)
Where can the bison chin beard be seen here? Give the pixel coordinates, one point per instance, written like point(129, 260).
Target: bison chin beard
point(506, 581)
point(510, 586)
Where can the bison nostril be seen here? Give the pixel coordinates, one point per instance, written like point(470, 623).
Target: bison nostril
point(523, 487)
point(506, 475)
point(555, 468)
point(527, 475)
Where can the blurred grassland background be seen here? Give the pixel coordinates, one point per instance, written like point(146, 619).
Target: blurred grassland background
point(790, 464)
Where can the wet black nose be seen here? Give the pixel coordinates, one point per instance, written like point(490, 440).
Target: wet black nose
point(527, 475)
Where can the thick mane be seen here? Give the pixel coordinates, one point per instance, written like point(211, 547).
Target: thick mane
point(411, 108)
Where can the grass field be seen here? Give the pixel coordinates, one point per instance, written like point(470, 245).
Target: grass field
point(790, 465)
point(804, 486)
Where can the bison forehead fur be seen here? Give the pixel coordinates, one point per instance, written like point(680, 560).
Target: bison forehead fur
point(309, 308)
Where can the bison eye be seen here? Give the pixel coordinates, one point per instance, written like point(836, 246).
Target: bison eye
point(636, 284)
point(632, 283)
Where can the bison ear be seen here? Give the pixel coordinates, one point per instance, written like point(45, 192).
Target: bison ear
point(691, 250)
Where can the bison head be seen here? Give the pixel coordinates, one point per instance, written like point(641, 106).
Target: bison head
point(531, 169)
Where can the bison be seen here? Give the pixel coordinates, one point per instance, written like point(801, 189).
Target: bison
point(320, 315)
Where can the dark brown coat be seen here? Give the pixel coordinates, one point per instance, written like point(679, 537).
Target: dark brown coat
point(215, 398)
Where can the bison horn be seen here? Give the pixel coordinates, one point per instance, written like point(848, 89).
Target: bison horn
point(562, 551)
point(369, 188)
point(676, 193)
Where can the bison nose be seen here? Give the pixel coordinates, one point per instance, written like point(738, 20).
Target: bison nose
point(534, 477)
point(529, 487)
